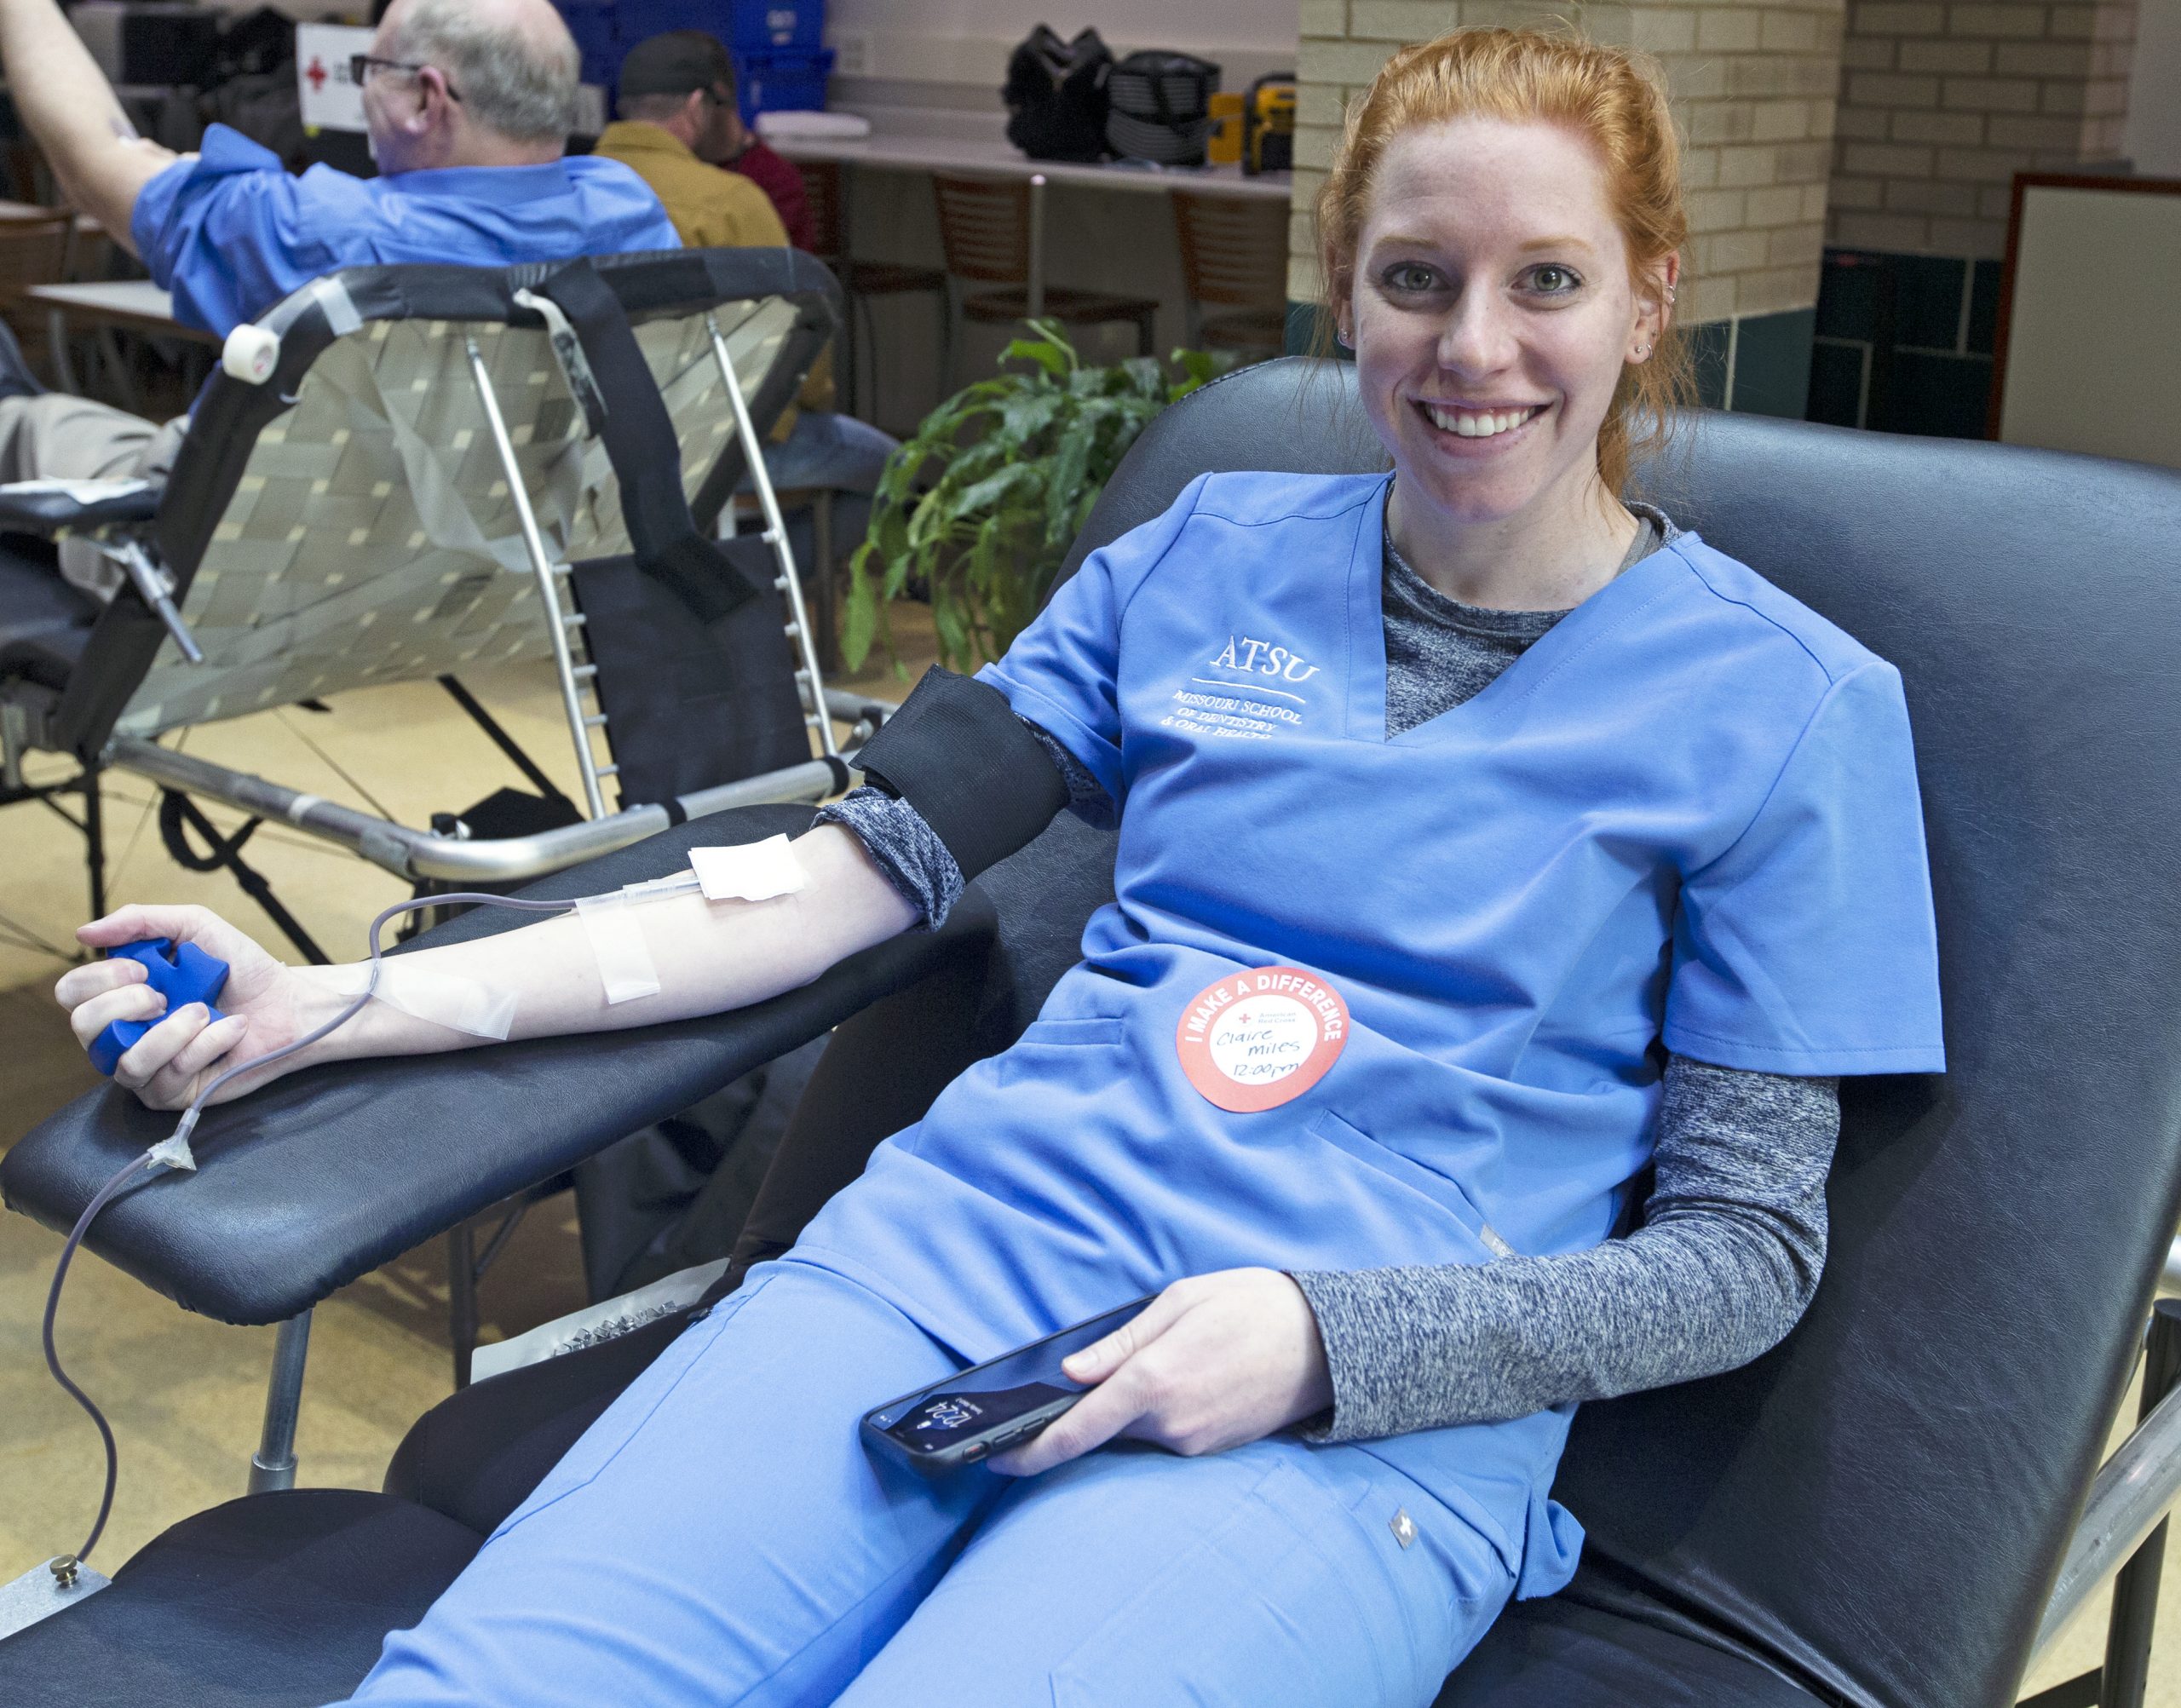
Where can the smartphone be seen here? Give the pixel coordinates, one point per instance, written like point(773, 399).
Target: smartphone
point(990, 1406)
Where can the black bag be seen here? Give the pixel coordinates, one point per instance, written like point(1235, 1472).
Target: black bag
point(266, 106)
point(255, 43)
point(1161, 107)
point(1055, 95)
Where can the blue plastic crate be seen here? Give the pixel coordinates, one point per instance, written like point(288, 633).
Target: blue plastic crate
point(778, 27)
point(783, 82)
point(641, 19)
point(592, 23)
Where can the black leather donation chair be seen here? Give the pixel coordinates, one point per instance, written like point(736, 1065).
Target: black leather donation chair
point(1873, 1514)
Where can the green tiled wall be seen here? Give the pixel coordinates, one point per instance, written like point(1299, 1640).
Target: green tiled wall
point(1755, 364)
point(1904, 342)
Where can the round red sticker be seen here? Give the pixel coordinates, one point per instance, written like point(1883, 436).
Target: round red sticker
point(1261, 1038)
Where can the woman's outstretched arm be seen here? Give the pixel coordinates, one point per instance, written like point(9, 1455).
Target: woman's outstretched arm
point(875, 867)
point(707, 956)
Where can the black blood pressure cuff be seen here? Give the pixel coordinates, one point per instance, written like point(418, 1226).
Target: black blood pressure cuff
point(957, 754)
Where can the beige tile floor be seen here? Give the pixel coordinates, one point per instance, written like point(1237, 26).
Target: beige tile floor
point(184, 1394)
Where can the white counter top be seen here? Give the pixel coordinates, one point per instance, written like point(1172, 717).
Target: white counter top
point(898, 150)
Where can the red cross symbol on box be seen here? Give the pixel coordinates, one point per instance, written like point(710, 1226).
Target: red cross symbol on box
point(316, 73)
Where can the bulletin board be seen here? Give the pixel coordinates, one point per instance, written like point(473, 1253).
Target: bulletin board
point(2088, 352)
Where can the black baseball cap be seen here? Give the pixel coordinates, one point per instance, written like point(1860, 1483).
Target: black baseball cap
point(679, 62)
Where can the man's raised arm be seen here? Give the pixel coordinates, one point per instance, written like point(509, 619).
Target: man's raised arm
point(70, 110)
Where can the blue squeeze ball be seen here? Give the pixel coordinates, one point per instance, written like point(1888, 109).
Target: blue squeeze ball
point(182, 974)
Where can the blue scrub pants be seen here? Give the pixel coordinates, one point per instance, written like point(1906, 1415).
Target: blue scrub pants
point(721, 1537)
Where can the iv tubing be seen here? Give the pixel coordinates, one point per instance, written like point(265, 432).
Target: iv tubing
point(165, 1154)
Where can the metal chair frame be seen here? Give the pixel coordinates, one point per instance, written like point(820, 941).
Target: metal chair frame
point(2120, 1538)
point(431, 855)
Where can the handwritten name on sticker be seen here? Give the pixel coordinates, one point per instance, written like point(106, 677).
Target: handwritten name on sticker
point(1258, 1038)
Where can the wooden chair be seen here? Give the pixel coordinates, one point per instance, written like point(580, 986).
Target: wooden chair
point(984, 225)
point(24, 174)
point(861, 280)
point(1234, 259)
point(34, 251)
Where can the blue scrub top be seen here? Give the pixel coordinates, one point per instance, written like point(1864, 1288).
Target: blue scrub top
point(1687, 813)
point(230, 233)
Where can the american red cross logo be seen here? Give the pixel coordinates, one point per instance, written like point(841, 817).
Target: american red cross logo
point(316, 73)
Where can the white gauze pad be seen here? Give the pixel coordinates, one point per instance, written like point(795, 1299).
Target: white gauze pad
point(755, 871)
point(445, 999)
point(625, 963)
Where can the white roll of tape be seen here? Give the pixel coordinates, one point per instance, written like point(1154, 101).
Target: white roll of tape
point(250, 353)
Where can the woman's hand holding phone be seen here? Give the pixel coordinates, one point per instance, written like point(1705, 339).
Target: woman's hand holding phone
point(1214, 1362)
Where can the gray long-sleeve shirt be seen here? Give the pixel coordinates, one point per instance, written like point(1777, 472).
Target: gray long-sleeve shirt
point(1733, 1233)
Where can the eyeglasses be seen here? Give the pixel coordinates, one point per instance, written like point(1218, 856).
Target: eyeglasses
point(360, 67)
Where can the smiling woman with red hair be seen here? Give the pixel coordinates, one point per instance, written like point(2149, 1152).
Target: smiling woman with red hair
point(1486, 842)
point(1613, 106)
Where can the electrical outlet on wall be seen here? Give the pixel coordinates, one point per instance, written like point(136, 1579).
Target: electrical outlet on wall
point(851, 53)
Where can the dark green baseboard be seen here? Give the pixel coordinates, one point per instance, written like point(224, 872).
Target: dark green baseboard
point(1755, 364)
point(1904, 342)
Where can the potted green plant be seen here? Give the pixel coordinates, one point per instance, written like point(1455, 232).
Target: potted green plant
point(979, 507)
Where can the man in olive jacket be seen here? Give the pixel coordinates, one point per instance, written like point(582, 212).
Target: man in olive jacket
point(676, 99)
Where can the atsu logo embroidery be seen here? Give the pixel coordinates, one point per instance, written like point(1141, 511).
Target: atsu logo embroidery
point(1262, 657)
point(1245, 705)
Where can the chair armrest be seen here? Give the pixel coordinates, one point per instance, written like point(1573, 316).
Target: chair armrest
point(2133, 1493)
point(46, 507)
point(321, 1176)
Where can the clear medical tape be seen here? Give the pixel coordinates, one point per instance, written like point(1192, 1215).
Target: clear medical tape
point(617, 943)
point(448, 999)
point(338, 307)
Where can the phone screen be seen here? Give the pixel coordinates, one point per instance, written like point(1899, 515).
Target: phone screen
point(986, 1397)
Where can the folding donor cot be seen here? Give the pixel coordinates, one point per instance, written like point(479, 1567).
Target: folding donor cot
point(407, 472)
point(1891, 1509)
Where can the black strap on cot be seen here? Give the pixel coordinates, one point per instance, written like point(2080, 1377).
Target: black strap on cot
point(646, 456)
point(957, 754)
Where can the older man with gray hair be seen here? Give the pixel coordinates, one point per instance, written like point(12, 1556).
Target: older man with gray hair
point(468, 104)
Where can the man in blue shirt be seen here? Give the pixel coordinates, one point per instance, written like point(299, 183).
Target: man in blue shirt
point(468, 103)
